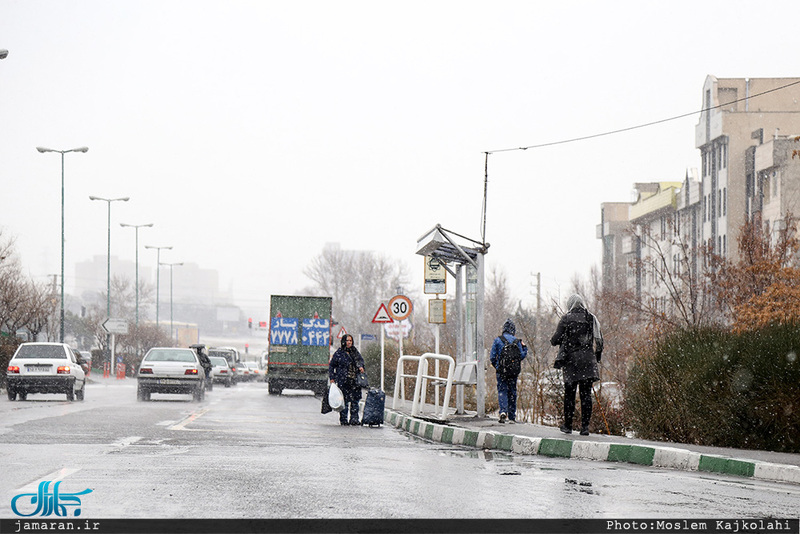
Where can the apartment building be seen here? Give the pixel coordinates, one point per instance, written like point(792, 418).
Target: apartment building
point(747, 136)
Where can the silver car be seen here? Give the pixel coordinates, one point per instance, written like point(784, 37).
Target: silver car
point(170, 370)
point(220, 372)
point(45, 368)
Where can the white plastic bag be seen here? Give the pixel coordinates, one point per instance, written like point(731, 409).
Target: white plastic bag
point(335, 398)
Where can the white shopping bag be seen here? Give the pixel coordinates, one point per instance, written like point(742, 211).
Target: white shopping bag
point(335, 398)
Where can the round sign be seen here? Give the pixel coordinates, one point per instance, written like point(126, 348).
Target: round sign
point(400, 307)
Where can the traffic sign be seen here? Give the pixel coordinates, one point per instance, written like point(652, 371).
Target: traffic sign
point(382, 315)
point(116, 326)
point(341, 333)
point(400, 307)
point(435, 276)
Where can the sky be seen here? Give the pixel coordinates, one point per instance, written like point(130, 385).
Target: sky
point(252, 133)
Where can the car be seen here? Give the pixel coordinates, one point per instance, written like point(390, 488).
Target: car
point(243, 372)
point(170, 370)
point(45, 368)
point(230, 354)
point(255, 373)
point(221, 372)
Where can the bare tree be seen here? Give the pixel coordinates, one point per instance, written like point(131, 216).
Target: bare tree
point(357, 281)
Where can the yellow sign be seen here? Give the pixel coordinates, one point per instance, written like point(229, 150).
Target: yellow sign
point(437, 311)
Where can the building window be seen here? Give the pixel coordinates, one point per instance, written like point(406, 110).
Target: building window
point(725, 201)
point(724, 155)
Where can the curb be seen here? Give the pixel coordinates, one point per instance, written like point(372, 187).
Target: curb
point(662, 457)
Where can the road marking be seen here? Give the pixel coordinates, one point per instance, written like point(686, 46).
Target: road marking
point(191, 417)
point(55, 476)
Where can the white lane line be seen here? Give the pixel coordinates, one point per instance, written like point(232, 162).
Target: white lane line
point(55, 476)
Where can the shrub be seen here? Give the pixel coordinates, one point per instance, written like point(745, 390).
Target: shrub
point(710, 387)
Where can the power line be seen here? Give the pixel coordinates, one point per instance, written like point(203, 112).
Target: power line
point(612, 132)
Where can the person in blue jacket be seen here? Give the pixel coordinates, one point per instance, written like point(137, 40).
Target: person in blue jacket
point(345, 364)
point(507, 380)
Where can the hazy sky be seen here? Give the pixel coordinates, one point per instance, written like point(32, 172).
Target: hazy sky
point(252, 133)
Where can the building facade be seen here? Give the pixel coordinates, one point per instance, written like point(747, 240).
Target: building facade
point(743, 176)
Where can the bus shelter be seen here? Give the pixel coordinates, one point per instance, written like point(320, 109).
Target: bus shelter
point(463, 258)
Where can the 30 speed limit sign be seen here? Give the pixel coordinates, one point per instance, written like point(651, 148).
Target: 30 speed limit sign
point(400, 307)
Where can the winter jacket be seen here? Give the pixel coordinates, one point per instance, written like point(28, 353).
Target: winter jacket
point(578, 332)
point(339, 367)
point(508, 333)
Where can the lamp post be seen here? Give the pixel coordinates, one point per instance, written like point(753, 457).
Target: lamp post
point(158, 274)
point(108, 263)
point(62, 152)
point(170, 265)
point(108, 287)
point(136, 227)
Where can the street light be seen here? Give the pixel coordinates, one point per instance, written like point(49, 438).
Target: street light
point(62, 152)
point(136, 227)
point(170, 265)
point(108, 287)
point(158, 274)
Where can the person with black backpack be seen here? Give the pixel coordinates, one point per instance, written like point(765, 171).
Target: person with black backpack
point(578, 334)
point(506, 357)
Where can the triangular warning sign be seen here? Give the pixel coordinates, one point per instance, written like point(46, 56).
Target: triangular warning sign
point(382, 315)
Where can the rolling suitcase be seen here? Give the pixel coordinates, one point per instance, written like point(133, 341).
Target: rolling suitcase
point(373, 408)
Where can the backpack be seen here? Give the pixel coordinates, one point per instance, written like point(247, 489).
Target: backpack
point(509, 363)
point(579, 333)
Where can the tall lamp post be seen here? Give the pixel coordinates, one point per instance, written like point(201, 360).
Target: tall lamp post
point(108, 287)
point(158, 274)
point(108, 262)
point(170, 265)
point(62, 152)
point(136, 227)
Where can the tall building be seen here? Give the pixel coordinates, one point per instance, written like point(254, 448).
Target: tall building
point(749, 141)
point(739, 112)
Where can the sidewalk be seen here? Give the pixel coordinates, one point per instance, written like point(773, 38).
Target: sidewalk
point(527, 438)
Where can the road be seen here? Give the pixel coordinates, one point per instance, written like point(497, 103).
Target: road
point(242, 453)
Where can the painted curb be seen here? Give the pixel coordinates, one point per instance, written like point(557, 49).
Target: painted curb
point(661, 457)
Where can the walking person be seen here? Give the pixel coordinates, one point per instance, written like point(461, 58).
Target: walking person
point(344, 366)
point(506, 357)
point(578, 333)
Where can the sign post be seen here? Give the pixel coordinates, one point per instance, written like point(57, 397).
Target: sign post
point(400, 308)
point(114, 326)
point(382, 316)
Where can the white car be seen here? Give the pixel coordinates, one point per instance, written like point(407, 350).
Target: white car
point(221, 372)
point(170, 370)
point(45, 368)
point(255, 372)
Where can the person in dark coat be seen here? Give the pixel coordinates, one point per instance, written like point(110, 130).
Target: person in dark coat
point(507, 384)
point(344, 366)
point(578, 334)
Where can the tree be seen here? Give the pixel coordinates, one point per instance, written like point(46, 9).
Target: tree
point(357, 281)
point(679, 297)
point(763, 286)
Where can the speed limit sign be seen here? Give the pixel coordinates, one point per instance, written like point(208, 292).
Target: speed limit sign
point(400, 307)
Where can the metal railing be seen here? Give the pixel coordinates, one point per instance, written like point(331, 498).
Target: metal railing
point(420, 388)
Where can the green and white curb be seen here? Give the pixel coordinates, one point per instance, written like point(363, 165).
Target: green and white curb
point(664, 457)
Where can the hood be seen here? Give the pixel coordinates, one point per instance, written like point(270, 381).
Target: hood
point(575, 301)
point(508, 327)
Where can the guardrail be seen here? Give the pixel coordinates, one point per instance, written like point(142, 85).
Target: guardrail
point(421, 386)
point(399, 380)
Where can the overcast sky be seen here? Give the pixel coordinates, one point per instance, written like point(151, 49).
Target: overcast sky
point(252, 133)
